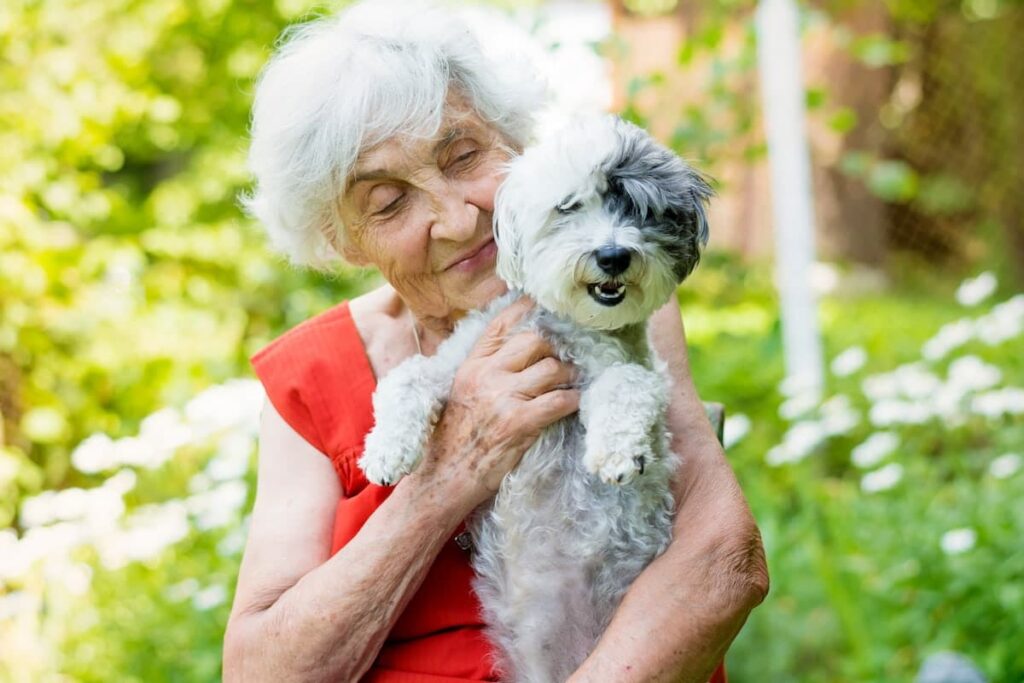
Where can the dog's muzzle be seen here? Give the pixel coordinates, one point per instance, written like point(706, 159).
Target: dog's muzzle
point(613, 261)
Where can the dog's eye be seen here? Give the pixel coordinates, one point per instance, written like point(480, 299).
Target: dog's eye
point(569, 208)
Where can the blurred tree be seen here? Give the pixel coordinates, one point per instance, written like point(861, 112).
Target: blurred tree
point(128, 277)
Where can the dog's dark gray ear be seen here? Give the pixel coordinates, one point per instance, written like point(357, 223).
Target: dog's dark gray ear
point(687, 210)
point(668, 197)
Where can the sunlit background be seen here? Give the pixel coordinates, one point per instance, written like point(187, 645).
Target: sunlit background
point(867, 344)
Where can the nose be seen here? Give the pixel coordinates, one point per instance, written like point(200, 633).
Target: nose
point(455, 218)
point(612, 260)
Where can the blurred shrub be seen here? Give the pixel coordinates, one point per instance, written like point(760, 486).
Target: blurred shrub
point(892, 510)
point(128, 281)
point(127, 278)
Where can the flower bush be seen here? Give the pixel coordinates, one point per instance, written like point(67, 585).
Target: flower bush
point(892, 510)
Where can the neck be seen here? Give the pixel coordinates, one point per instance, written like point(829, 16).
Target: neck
point(432, 330)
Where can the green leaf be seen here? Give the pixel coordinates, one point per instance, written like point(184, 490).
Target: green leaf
point(893, 181)
point(843, 120)
point(878, 50)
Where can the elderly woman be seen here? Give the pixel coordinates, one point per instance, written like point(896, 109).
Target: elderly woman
point(380, 136)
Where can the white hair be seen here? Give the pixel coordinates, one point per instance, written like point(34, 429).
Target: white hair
point(341, 84)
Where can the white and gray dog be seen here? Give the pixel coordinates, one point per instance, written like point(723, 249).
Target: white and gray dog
point(598, 225)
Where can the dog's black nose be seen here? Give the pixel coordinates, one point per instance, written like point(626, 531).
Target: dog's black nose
point(612, 260)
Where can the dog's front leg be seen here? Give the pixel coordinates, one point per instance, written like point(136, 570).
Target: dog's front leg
point(409, 400)
point(619, 411)
point(406, 406)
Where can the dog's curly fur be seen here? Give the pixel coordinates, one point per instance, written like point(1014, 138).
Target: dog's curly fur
point(598, 224)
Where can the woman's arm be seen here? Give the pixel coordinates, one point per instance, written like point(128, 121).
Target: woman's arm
point(679, 617)
point(300, 614)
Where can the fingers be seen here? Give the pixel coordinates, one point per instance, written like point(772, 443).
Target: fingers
point(523, 350)
point(497, 330)
point(550, 407)
point(545, 375)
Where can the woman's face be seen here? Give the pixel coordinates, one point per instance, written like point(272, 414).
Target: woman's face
point(420, 210)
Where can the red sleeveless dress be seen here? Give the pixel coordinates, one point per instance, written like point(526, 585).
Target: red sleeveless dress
point(319, 379)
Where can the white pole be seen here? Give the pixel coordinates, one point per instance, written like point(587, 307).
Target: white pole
point(782, 95)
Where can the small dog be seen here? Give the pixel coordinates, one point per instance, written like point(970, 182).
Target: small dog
point(598, 225)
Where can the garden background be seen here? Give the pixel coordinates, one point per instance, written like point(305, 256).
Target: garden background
point(133, 290)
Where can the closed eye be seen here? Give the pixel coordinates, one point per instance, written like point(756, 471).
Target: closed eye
point(392, 207)
point(569, 208)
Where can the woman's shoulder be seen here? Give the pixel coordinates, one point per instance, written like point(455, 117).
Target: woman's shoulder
point(319, 378)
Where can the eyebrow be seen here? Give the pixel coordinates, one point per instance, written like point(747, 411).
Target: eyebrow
point(451, 135)
point(375, 174)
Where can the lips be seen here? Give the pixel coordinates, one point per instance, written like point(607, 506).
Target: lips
point(473, 258)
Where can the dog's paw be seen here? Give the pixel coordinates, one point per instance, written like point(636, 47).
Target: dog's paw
point(385, 463)
point(619, 466)
point(385, 471)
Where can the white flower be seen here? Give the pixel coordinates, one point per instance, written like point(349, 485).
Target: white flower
point(800, 404)
point(232, 459)
point(880, 387)
point(890, 412)
point(946, 404)
point(210, 597)
point(838, 416)
point(973, 292)
point(122, 482)
point(18, 602)
point(94, 454)
point(1005, 466)
point(218, 506)
point(915, 381)
point(993, 404)
point(46, 543)
point(958, 541)
point(75, 577)
point(233, 543)
point(912, 380)
point(146, 534)
point(236, 403)
point(874, 449)
point(736, 427)
point(794, 385)
point(950, 336)
point(96, 505)
point(797, 444)
point(849, 361)
point(1005, 321)
point(970, 373)
point(165, 429)
point(882, 479)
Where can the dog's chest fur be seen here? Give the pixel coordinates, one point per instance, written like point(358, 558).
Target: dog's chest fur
point(557, 548)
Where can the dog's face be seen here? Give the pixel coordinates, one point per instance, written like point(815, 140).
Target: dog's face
point(600, 223)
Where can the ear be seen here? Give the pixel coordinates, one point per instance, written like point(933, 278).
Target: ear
point(689, 205)
point(687, 193)
point(507, 227)
point(664, 188)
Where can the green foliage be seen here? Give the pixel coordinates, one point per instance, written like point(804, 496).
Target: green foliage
point(128, 281)
point(862, 589)
point(128, 278)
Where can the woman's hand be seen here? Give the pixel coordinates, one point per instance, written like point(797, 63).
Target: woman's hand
point(504, 394)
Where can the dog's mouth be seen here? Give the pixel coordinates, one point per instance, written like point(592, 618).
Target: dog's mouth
point(607, 293)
